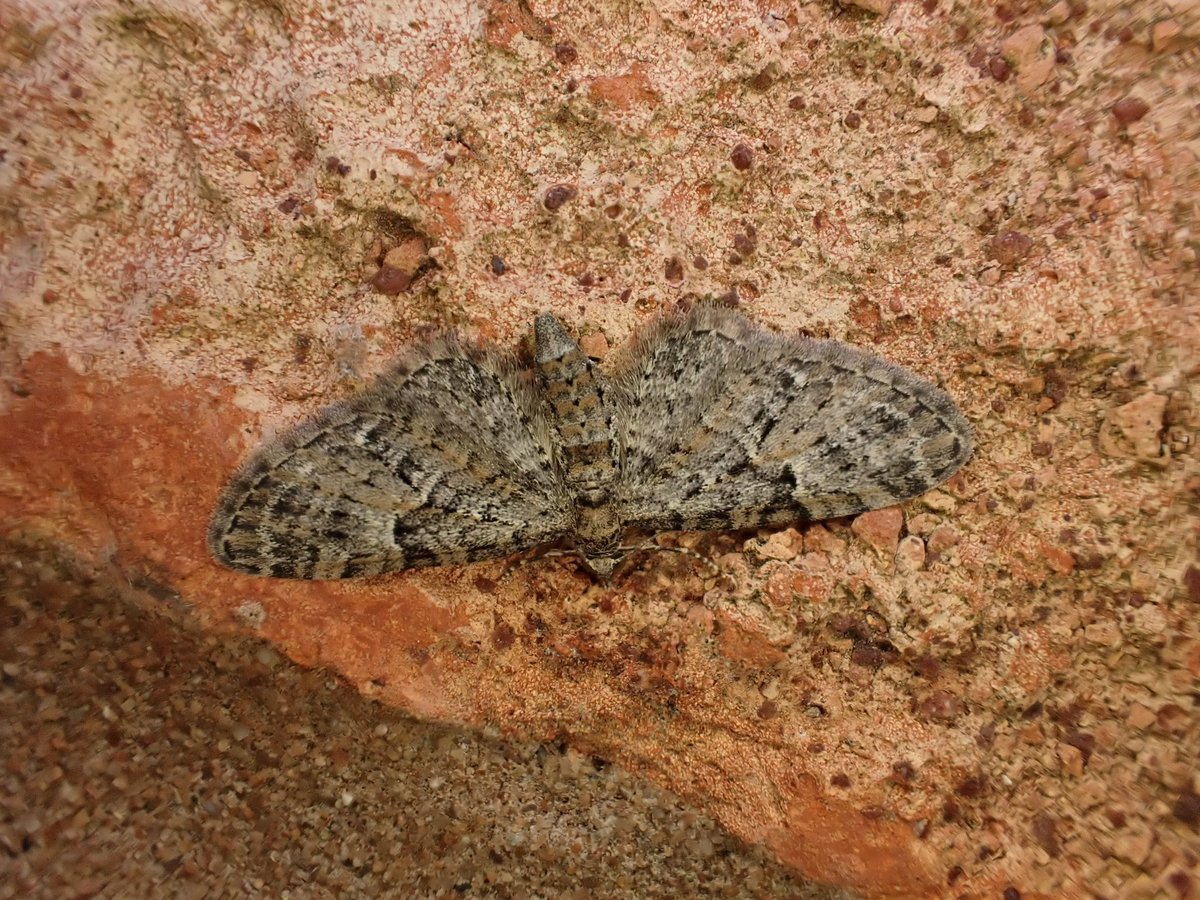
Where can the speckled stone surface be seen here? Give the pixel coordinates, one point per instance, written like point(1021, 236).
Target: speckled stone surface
point(217, 217)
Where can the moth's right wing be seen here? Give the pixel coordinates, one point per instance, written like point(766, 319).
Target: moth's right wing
point(729, 426)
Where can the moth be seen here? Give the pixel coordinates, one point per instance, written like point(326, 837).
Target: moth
point(459, 453)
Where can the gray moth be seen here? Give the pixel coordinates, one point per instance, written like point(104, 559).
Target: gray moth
point(459, 453)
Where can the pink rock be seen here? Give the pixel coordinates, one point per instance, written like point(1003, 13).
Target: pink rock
point(595, 345)
point(819, 539)
point(1031, 54)
point(1011, 247)
point(942, 539)
point(153, 332)
point(1163, 34)
point(880, 528)
point(742, 643)
point(782, 545)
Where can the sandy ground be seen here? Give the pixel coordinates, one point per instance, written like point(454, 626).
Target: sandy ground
point(143, 757)
point(217, 217)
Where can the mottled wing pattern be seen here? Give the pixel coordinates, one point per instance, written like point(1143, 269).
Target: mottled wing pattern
point(444, 460)
point(729, 426)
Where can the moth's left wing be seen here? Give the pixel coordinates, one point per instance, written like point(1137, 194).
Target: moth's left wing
point(729, 426)
point(444, 460)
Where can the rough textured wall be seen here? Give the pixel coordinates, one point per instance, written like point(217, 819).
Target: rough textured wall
point(217, 217)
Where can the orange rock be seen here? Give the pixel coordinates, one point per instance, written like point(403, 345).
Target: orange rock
point(505, 20)
point(818, 538)
point(830, 841)
point(1031, 54)
point(1032, 733)
point(594, 345)
point(1163, 34)
point(810, 587)
point(880, 528)
point(147, 345)
point(779, 590)
point(625, 91)
point(742, 643)
point(942, 538)
point(1071, 759)
point(1059, 560)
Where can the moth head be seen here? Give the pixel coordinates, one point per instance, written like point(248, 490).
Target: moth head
point(603, 566)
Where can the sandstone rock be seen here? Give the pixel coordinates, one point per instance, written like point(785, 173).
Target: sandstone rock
point(782, 545)
point(186, 262)
point(910, 554)
point(880, 528)
point(742, 643)
point(1134, 430)
point(942, 538)
point(1031, 54)
point(595, 345)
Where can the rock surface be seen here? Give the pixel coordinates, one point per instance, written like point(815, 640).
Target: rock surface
point(218, 217)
